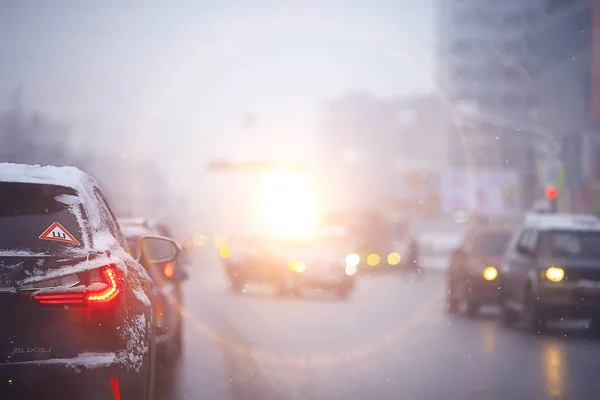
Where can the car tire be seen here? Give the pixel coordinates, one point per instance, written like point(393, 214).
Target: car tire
point(594, 326)
point(452, 304)
point(236, 285)
point(343, 292)
point(508, 317)
point(534, 322)
point(286, 286)
point(472, 308)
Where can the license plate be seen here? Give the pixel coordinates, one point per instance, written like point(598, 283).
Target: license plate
point(587, 284)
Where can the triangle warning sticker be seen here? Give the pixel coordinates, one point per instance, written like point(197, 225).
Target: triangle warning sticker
point(58, 233)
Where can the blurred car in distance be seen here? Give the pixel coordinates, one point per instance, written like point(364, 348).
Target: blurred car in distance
point(378, 243)
point(76, 311)
point(551, 270)
point(472, 278)
point(167, 278)
point(291, 266)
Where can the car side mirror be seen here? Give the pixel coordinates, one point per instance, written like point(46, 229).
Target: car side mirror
point(158, 249)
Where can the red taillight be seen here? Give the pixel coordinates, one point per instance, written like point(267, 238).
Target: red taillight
point(62, 298)
point(96, 293)
point(168, 270)
point(106, 294)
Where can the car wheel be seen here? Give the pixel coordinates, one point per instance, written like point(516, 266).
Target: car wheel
point(594, 326)
point(508, 317)
point(452, 301)
point(472, 308)
point(452, 304)
point(534, 321)
point(343, 292)
point(286, 286)
point(236, 285)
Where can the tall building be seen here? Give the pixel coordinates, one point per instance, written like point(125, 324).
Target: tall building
point(366, 142)
point(524, 66)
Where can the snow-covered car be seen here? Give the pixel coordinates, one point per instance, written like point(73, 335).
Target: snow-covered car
point(167, 278)
point(76, 315)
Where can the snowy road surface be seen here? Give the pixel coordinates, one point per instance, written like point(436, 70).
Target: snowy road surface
point(390, 340)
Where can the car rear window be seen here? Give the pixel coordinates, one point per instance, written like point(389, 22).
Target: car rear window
point(27, 210)
point(570, 244)
point(491, 243)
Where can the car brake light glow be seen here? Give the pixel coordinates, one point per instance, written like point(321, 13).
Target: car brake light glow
point(108, 293)
point(62, 298)
point(103, 292)
point(168, 270)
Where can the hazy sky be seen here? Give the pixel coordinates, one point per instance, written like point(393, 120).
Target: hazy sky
point(179, 76)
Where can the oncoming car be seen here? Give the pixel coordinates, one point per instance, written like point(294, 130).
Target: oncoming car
point(320, 264)
point(77, 311)
point(290, 266)
point(551, 270)
point(472, 278)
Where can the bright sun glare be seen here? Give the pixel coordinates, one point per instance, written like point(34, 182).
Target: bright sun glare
point(288, 204)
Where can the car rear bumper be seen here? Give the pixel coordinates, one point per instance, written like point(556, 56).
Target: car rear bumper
point(483, 292)
point(86, 377)
point(323, 283)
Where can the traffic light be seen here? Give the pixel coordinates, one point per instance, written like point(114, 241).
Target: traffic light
point(551, 195)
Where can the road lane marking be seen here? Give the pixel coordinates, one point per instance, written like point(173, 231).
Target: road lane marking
point(323, 359)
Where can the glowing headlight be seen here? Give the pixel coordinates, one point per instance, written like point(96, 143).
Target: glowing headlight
point(490, 273)
point(297, 266)
point(373, 260)
point(351, 269)
point(555, 274)
point(352, 259)
point(394, 258)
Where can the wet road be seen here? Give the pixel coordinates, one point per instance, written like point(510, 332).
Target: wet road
point(390, 340)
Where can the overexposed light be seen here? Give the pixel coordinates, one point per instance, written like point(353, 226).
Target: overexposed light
point(352, 259)
point(351, 269)
point(288, 204)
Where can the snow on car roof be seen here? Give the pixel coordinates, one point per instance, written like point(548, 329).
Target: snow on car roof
point(61, 176)
point(76, 179)
point(563, 221)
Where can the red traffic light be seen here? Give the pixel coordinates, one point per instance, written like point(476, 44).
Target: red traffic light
point(551, 193)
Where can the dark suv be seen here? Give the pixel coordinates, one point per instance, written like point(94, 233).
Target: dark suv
point(551, 269)
point(76, 314)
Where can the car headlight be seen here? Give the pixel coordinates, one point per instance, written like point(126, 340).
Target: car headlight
point(394, 258)
point(490, 273)
point(351, 270)
point(297, 266)
point(352, 259)
point(555, 274)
